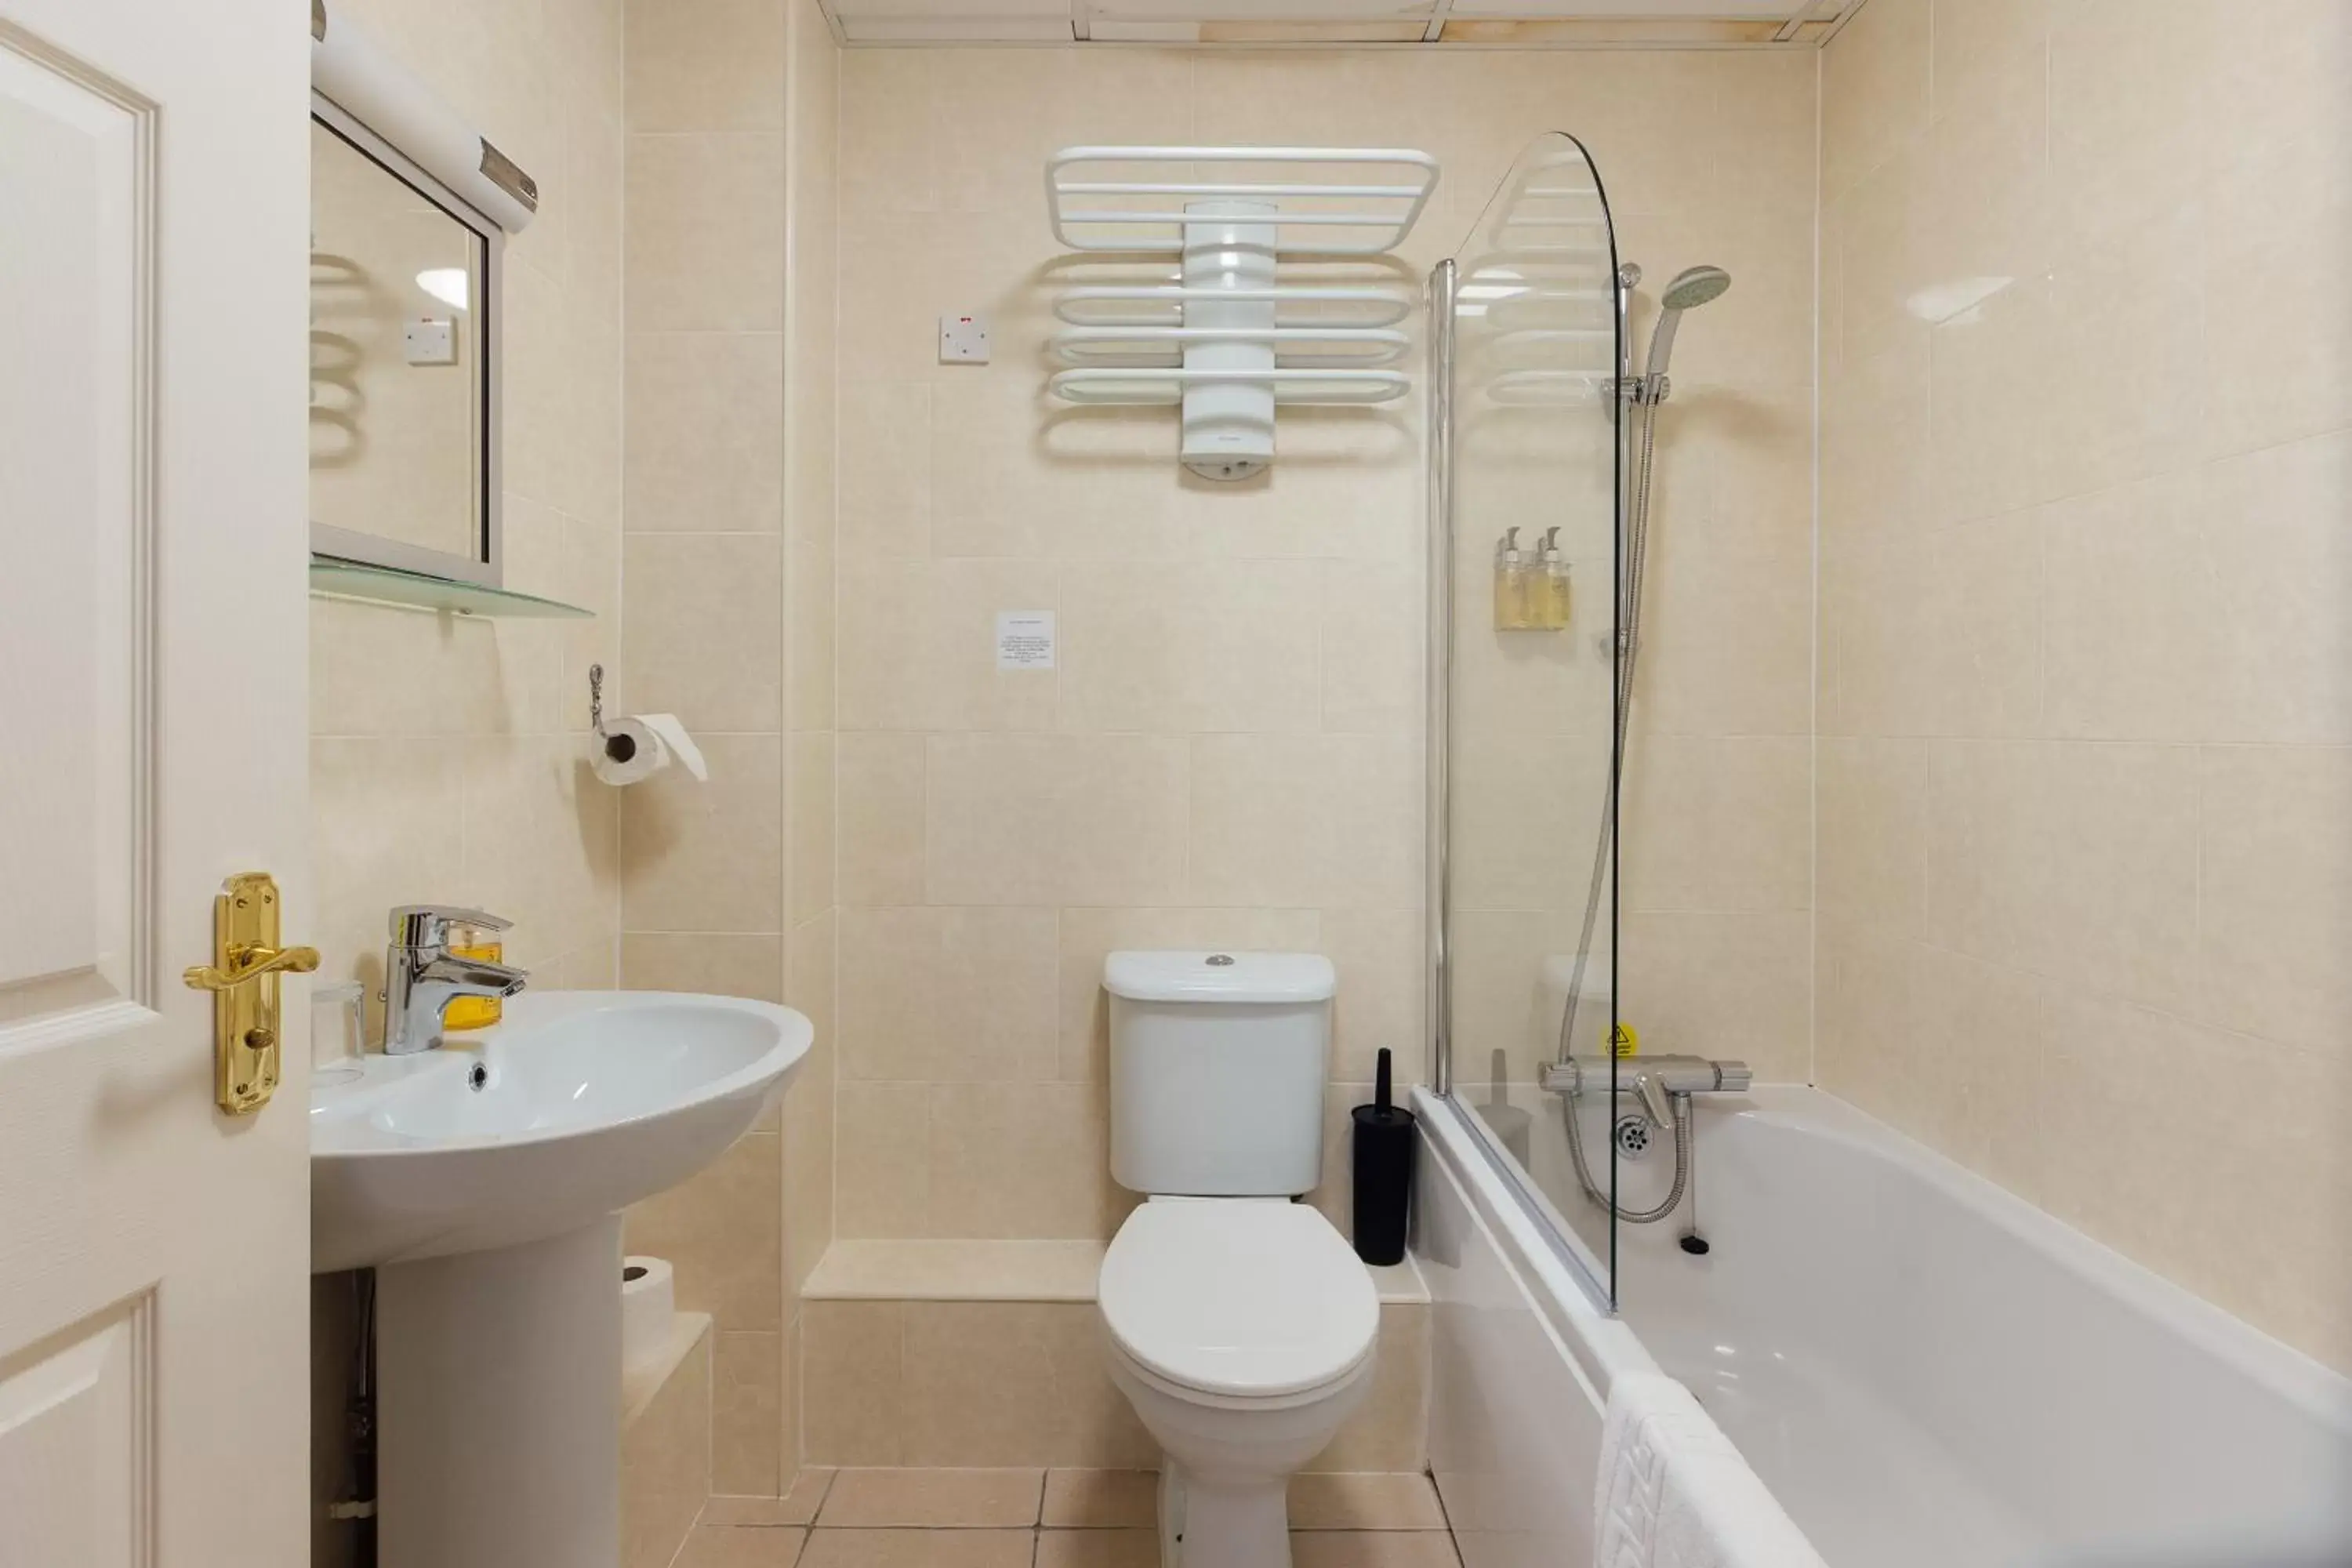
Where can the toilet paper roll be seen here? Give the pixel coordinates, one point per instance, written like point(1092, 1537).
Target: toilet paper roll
point(649, 1302)
point(637, 747)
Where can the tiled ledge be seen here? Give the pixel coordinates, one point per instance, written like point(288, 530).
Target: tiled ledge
point(1001, 1271)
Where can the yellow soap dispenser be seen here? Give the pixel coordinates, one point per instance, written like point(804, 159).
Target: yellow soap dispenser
point(1548, 585)
point(1510, 583)
point(473, 1011)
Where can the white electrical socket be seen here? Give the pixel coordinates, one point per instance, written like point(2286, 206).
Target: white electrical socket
point(429, 342)
point(963, 340)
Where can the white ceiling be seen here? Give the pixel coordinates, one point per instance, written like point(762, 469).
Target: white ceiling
point(1508, 23)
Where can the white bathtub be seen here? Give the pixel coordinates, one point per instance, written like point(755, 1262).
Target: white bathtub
point(1928, 1373)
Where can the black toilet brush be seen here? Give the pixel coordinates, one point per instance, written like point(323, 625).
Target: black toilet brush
point(1383, 1157)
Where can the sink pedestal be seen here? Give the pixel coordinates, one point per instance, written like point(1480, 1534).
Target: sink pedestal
point(498, 1405)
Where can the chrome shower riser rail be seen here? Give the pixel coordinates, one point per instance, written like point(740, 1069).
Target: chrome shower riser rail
point(1443, 284)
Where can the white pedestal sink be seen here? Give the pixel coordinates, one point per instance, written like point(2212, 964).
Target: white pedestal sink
point(484, 1182)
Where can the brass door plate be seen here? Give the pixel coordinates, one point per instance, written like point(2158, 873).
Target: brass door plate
point(244, 978)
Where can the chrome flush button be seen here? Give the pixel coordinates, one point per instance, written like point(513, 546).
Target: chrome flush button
point(1220, 960)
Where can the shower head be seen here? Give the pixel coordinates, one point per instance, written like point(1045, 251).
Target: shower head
point(1692, 286)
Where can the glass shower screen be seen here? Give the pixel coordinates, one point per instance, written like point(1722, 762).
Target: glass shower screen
point(1527, 341)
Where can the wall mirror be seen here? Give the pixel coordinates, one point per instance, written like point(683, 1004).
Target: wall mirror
point(403, 361)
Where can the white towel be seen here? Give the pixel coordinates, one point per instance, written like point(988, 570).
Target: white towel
point(1675, 1493)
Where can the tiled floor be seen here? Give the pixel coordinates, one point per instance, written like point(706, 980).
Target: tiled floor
point(1044, 1519)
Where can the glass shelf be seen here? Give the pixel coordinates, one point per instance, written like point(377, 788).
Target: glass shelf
point(333, 579)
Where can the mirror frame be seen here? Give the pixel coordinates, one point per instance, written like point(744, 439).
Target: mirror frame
point(487, 568)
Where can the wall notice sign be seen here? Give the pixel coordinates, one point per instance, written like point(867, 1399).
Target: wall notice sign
point(1024, 639)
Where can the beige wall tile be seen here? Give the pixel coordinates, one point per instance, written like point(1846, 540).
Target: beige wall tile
point(884, 454)
point(1872, 863)
point(946, 1385)
point(1013, 1381)
point(1729, 638)
point(706, 65)
point(1712, 824)
point(1874, 89)
point(2132, 618)
point(706, 231)
point(2278, 554)
point(721, 1232)
point(1021, 1160)
point(700, 451)
point(746, 1412)
point(1875, 596)
point(788, 1404)
point(809, 819)
point(449, 686)
point(809, 1111)
point(2133, 337)
point(1306, 820)
point(886, 158)
point(704, 620)
point(2124, 870)
point(708, 857)
point(852, 1389)
point(948, 996)
point(717, 964)
point(880, 818)
point(1043, 819)
point(1989, 450)
point(1176, 647)
point(1526, 811)
point(811, 637)
point(2125, 137)
point(1990, 852)
point(882, 1165)
point(2274, 848)
point(919, 645)
point(1375, 639)
point(1981, 670)
point(1382, 959)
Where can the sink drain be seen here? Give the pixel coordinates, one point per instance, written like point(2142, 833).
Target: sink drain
point(478, 1077)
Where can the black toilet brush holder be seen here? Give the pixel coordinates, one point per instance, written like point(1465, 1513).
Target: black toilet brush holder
point(1383, 1160)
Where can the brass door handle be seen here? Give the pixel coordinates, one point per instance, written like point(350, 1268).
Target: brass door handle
point(251, 963)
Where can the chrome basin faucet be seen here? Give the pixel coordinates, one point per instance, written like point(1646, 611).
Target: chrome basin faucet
point(422, 976)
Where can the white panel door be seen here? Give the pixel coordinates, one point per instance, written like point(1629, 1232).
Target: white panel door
point(153, 1252)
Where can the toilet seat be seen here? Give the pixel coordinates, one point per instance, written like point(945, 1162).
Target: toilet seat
point(1240, 1300)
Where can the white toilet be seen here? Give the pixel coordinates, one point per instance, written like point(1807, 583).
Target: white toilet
point(1240, 1325)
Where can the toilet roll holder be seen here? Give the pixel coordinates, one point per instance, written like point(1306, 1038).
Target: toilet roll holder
point(619, 748)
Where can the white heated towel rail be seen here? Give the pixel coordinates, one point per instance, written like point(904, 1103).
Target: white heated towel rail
point(1227, 338)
